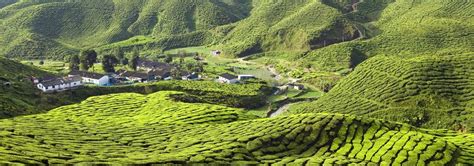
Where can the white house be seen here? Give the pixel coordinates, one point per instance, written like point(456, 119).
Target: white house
point(60, 84)
point(246, 77)
point(191, 76)
point(92, 78)
point(216, 52)
point(228, 78)
point(296, 86)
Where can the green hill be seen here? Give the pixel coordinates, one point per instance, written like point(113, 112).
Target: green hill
point(58, 28)
point(426, 91)
point(137, 129)
point(21, 96)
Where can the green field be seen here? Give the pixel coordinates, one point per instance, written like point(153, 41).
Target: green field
point(152, 129)
point(420, 91)
point(387, 83)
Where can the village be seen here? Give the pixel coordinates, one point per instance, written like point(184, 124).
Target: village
point(147, 71)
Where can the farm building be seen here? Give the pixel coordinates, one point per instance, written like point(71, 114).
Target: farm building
point(92, 78)
point(60, 84)
point(136, 76)
point(158, 74)
point(228, 78)
point(151, 65)
point(296, 86)
point(190, 76)
point(216, 52)
point(246, 77)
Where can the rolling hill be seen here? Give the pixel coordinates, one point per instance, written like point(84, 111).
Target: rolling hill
point(19, 96)
point(153, 129)
point(306, 30)
point(426, 91)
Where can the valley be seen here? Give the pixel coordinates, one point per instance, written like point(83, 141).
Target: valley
point(236, 82)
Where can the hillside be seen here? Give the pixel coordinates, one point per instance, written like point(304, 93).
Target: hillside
point(310, 35)
point(153, 129)
point(23, 98)
point(20, 97)
point(426, 91)
point(55, 28)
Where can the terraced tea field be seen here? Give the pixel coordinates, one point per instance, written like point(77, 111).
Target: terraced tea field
point(420, 91)
point(137, 129)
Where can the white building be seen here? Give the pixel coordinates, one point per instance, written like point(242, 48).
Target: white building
point(246, 77)
point(92, 78)
point(60, 84)
point(228, 78)
point(216, 52)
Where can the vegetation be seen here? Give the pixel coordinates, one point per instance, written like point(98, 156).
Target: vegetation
point(74, 62)
point(22, 97)
point(420, 91)
point(153, 129)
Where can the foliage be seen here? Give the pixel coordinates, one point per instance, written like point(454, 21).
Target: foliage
point(74, 62)
point(108, 63)
point(419, 91)
point(153, 129)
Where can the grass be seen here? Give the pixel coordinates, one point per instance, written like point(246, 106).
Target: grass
point(144, 129)
point(49, 65)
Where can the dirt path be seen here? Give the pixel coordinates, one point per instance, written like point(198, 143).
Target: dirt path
point(280, 110)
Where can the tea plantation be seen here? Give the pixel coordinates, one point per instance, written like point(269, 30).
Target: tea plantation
point(137, 129)
point(428, 91)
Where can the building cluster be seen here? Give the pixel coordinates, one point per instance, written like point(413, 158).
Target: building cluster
point(148, 71)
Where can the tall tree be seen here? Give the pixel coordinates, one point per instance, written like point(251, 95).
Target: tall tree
point(135, 59)
point(74, 62)
point(134, 62)
point(108, 63)
point(88, 58)
point(84, 61)
point(119, 53)
point(124, 61)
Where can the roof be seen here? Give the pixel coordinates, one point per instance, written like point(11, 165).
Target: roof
point(73, 79)
point(192, 76)
point(87, 74)
point(228, 76)
point(57, 81)
point(47, 78)
point(162, 73)
point(134, 74)
point(154, 65)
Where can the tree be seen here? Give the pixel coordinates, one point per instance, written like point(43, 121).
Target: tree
point(133, 63)
point(84, 63)
point(124, 61)
point(181, 55)
point(168, 59)
point(87, 59)
point(74, 62)
point(119, 53)
point(108, 63)
point(41, 62)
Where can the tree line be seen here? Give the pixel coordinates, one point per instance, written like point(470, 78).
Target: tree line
point(87, 58)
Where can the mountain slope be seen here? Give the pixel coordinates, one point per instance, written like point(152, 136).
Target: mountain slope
point(138, 129)
point(72, 25)
point(319, 34)
point(405, 28)
point(420, 91)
